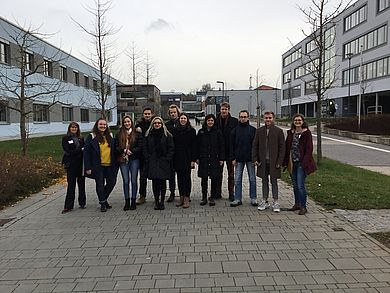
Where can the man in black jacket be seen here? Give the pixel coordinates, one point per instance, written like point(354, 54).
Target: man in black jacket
point(226, 123)
point(142, 126)
point(174, 113)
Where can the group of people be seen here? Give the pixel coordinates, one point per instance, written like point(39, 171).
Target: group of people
point(163, 151)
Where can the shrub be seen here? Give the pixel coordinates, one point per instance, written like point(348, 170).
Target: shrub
point(375, 125)
point(21, 176)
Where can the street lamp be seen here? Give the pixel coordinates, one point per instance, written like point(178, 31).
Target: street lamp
point(349, 56)
point(223, 89)
point(289, 97)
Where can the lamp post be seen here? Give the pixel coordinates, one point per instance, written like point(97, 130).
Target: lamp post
point(289, 97)
point(223, 89)
point(349, 56)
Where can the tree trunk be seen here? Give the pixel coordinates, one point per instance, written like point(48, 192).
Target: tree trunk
point(23, 130)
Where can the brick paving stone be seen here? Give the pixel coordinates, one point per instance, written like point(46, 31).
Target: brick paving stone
point(181, 268)
point(263, 266)
point(346, 263)
point(153, 269)
point(235, 267)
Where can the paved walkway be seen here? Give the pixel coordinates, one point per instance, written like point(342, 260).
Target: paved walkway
point(202, 249)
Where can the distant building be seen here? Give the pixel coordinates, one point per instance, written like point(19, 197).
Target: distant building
point(170, 98)
point(132, 99)
point(265, 98)
point(77, 98)
point(359, 56)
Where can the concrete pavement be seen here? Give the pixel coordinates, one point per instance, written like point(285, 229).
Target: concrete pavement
point(201, 249)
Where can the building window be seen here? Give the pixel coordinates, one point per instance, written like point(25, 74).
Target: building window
point(40, 113)
point(3, 113)
point(355, 18)
point(305, 69)
point(368, 41)
point(86, 82)
point(28, 59)
point(292, 57)
point(108, 115)
point(94, 85)
point(311, 46)
point(4, 53)
point(63, 73)
point(383, 4)
point(84, 113)
point(287, 77)
point(67, 114)
point(48, 68)
point(76, 77)
point(372, 70)
point(108, 90)
point(310, 87)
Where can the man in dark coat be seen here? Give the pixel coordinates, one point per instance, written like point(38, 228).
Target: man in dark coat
point(268, 154)
point(241, 155)
point(174, 113)
point(226, 123)
point(142, 126)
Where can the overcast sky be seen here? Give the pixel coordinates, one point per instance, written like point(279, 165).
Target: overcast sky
point(191, 42)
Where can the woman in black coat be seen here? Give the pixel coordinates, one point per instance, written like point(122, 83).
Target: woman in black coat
point(210, 156)
point(158, 152)
point(184, 137)
point(100, 162)
point(73, 144)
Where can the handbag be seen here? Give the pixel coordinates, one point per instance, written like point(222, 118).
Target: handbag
point(290, 164)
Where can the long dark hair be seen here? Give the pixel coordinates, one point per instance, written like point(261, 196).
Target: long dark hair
point(208, 116)
point(123, 134)
point(304, 124)
point(78, 133)
point(106, 134)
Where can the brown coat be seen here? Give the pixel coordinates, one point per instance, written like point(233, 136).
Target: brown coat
point(276, 146)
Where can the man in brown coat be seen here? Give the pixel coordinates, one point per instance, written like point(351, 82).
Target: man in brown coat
point(267, 154)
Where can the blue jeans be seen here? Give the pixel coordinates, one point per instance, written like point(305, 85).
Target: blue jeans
point(298, 177)
point(129, 172)
point(105, 182)
point(238, 180)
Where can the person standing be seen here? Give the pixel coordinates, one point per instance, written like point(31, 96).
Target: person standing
point(299, 160)
point(128, 150)
point(158, 152)
point(184, 137)
point(99, 161)
point(141, 127)
point(173, 112)
point(268, 154)
point(241, 139)
point(226, 123)
point(210, 157)
point(73, 145)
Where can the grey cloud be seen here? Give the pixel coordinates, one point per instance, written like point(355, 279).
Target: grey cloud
point(159, 25)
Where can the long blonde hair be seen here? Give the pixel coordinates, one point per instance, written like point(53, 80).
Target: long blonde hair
point(166, 132)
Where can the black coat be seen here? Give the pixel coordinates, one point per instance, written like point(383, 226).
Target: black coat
point(135, 148)
point(185, 147)
point(171, 124)
point(226, 127)
point(210, 150)
point(92, 156)
point(158, 154)
point(73, 154)
point(241, 139)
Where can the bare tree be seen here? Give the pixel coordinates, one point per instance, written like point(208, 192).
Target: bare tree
point(136, 56)
point(206, 87)
point(150, 69)
point(28, 79)
point(320, 62)
point(103, 55)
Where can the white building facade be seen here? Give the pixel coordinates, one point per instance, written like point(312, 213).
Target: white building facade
point(359, 57)
point(60, 87)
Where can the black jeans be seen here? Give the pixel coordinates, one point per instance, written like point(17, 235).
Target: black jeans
point(184, 182)
point(230, 169)
point(73, 176)
point(214, 187)
point(143, 181)
point(105, 182)
point(159, 187)
point(172, 182)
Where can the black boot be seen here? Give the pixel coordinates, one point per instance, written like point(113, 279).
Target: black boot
point(127, 204)
point(211, 201)
point(204, 200)
point(156, 204)
point(133, 205)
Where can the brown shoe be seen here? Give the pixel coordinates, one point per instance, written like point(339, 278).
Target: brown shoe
point(180, 201)
point(186, 203)
point(141, 200)
point(294, 208)
point(302, 211)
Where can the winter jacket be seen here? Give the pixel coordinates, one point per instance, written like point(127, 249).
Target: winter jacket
point(226, 126)
point(135, 147)
point(210, 150)
point(241, 139)
point(73, 154)
point(185, 147)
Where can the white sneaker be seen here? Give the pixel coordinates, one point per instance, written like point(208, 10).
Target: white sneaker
point(276, 207)
point(263, 205)
point(254, 202)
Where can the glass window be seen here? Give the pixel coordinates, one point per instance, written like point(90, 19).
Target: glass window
point(95, 85)
point(370, 40)
point(76, 77)
point(292, 57)
point(67, 114)
point(28, 60)
point(287, 77)
point(4, 53)
point(63, 73)
point(383, 4)
point(355, 18)
point(86, 82)
point(84, 113)
point(40, 113)
point(47, 68)
point(3, 113)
